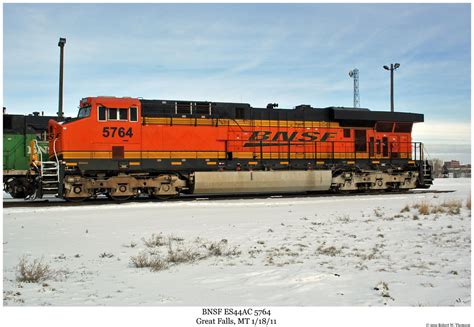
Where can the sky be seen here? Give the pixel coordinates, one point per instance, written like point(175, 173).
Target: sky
point(290, 54)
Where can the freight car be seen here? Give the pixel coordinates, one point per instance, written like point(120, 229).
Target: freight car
point(18, 132)
point(123, 147)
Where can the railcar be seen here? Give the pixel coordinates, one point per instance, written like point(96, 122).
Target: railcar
point(18, 133)
point(124, 147)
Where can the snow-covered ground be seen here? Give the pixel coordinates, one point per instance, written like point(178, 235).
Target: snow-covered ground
point(348, 250)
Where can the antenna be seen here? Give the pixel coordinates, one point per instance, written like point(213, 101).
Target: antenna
point(355, 75)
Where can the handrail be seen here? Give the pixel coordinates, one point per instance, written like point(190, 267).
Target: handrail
point(40, 154)
point(54, 150)
point(333, 149)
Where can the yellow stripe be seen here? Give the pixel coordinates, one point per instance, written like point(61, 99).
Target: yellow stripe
point(155, 154)
point(243, 155)
point(376, 161)
point(214, 155)
point(212, 163)
point(132, 154)
point(252, 162)
point(283, 162)
point(71, 164)
point(134, 163)
point(187, 155)
point(320, 162)
point(87, 155)
point(351, 162)
point(176, 163)
point(239, 122)
point(207, 154)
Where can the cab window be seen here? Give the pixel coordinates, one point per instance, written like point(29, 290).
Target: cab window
point(123, 114)
point(102, 113)
point(112, 113)
point(133, 114)
point(84, 112)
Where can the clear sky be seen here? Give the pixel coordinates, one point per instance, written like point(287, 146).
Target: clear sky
point(253, 53)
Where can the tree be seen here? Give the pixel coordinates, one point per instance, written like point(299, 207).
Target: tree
point(437, 165)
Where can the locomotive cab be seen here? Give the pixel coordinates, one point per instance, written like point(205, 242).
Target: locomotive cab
point(105, 128)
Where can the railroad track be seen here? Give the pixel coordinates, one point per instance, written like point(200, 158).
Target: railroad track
point(187, 198)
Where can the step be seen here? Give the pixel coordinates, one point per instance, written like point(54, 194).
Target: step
point(50, 189)
point(51, 192)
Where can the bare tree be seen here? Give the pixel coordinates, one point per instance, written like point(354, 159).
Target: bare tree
point(437, 165)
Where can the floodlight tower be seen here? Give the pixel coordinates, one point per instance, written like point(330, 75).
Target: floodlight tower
point(61, 43)
point(355, 75)
point(391, 69)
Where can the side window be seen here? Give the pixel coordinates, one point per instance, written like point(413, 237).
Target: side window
point(102, 111)
point(123, 114)
point(112, 114)
point(347, 132)
point(133, 114)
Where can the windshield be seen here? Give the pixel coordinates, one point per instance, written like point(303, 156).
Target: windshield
point(84, 112)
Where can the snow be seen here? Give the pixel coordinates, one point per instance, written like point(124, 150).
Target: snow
point(299, 251)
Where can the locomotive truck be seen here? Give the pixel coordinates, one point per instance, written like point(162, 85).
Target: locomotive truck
point(124, 147)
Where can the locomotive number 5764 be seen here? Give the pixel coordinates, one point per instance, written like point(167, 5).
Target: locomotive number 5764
point(115, 131)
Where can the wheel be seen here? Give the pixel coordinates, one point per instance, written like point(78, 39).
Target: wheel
point(119, 198)
point(18, 188)
point(164, 197)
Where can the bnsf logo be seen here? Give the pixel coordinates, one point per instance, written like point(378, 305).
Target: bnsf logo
point(43, 149)
point(272, 138)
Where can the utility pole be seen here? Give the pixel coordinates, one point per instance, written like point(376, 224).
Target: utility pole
point(355, 75)
point(62, 42)
point(391, 69)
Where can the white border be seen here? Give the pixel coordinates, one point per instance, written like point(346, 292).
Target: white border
point(185, 316)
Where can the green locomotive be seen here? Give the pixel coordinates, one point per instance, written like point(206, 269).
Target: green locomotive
point(18, 133)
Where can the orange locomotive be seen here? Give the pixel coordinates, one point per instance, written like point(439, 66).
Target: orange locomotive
point(123, 147)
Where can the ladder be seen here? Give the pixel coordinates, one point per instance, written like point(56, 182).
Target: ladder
point(49, 172)
point(49, 177)
point(427, 173)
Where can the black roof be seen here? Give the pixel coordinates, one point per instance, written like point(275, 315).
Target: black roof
point(344, 115)
point(21, 124)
